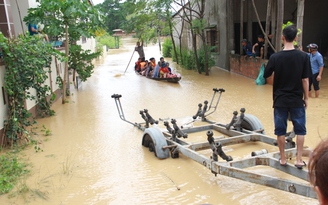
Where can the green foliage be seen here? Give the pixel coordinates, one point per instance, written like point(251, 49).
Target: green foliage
point(46, 131)
point(113, 9)
point(167, 47)
point(188, 59)
point(27, 61)
point(69, 19)
point(11, 169)
point(189, 62)
point(289, 23)
point(81, 61)
point(82, 18)
point(105, 40)
point(201, 56)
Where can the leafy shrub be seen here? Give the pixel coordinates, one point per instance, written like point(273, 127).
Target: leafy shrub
point(11, 169)
point(105, 40)
point(167, 47)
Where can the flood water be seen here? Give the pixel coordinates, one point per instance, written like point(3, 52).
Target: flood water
point(93, 157)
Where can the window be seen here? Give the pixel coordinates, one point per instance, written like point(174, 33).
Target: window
point(212, 39)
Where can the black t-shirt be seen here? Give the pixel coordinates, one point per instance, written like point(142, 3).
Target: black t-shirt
point(289, 67)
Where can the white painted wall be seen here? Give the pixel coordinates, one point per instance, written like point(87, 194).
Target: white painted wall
point(22, 8)
point(3, 107)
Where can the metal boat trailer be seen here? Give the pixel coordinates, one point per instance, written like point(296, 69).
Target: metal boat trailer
point(242, 129)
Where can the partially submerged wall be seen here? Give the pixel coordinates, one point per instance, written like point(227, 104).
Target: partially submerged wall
point(249, 67)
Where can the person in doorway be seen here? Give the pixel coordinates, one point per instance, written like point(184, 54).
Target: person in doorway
point(247, 48)
point(316, 60)
point(140, 50)
point(291, 69)
point(258, 48)
point(318, 167)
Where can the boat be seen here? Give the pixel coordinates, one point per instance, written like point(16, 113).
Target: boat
point(171, 80)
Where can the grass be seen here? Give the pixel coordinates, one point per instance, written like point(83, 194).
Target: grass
point(11, 170)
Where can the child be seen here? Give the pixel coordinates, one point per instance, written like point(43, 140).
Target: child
point(163, 71)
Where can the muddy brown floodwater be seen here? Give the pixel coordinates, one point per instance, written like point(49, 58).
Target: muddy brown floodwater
point(93, 157)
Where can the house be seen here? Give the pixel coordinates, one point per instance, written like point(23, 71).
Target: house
point(12, 13)
point(225, 31)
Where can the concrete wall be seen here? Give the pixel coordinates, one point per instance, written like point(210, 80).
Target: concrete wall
point(3, 105)
point(216, 14)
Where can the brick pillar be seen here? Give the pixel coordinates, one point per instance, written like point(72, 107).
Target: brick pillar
point(6, 19)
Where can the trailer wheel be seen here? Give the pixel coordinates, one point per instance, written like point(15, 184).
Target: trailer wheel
point(154, 139)
point(151, 147)
point(252, 123)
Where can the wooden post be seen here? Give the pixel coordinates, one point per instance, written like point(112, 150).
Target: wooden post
point(280, 19)
point(241, 24)
point(299, 25)
point(249, 20)
point(267, 28)
point(274, 22)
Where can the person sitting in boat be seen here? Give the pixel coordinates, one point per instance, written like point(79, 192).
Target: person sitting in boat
point(156, 70)
point(153, 62)
point(137, 66)
point(164, 71)
point(161, 59)
point(170, 74)
point(144, 67)
point(151, 67)
point(168, 67)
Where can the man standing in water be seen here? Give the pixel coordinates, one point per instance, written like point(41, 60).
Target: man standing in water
point(317, 68)
point(291, 69)
point(139, 49)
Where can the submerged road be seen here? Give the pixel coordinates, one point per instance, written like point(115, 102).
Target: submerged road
point(93, 157)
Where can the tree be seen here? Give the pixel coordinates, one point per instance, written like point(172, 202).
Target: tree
point(114, 14)
point(193, 13)
point(68, 19)
point(27, 63)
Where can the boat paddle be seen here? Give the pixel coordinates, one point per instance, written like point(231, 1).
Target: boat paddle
point(117, 75)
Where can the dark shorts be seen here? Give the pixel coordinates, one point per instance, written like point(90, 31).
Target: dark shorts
point(297, 116)
point(313, 81)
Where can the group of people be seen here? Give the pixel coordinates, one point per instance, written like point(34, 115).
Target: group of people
point(293, 72)
point(150, 68)
point(257, 50)
point(316, 59)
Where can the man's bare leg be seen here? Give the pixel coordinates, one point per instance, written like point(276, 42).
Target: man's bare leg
point(281, 145)
point(317, 93)
point(300, 144)
point(261, 53)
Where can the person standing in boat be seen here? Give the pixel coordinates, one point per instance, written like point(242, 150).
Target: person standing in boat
point(140, 50)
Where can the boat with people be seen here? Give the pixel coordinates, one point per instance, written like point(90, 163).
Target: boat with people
point(171, 80)
point(160, 71)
